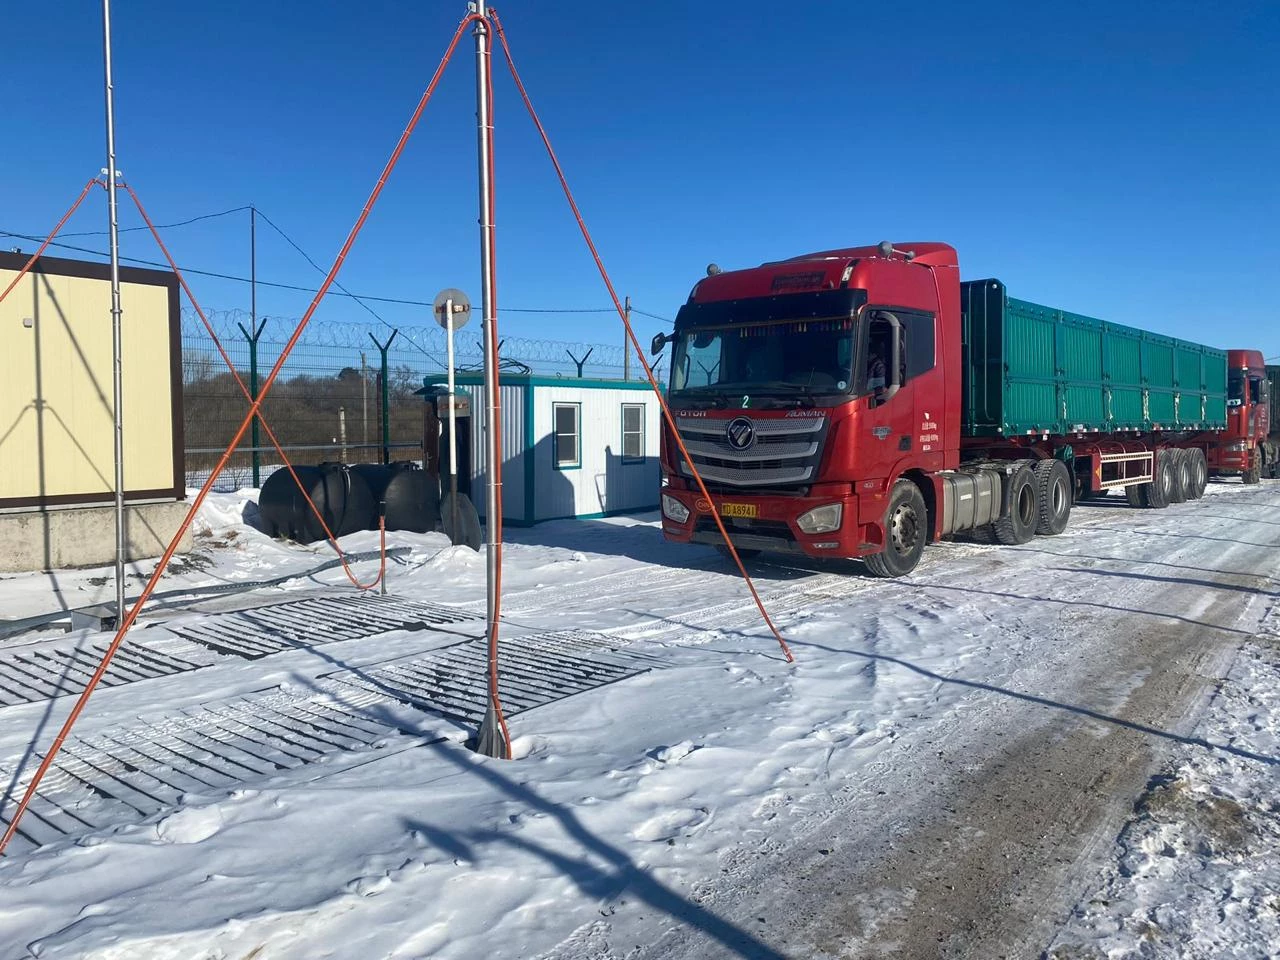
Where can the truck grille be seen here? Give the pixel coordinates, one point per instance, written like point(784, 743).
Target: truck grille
point(783, 451)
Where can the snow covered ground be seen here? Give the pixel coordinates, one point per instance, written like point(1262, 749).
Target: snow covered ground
point(1065, 749)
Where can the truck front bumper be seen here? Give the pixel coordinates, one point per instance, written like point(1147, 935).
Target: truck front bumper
point(773, 528)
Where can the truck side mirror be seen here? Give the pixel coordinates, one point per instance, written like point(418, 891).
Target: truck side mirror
point(657, 343)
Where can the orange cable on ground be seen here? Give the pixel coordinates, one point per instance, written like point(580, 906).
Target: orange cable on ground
point(333, 540)
point(490, 228)
point(49, 239)
point(147, 590)
point(648, 371)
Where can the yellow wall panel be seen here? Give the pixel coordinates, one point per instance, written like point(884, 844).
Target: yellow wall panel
point(56, 433)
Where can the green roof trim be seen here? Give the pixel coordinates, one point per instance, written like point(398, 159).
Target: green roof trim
point(522, 380)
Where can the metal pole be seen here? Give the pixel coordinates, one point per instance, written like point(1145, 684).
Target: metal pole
point(117, 382)
point(386, 412)
point(364, 403)
point(342, 434)
point(253, 392)
point(253, 344)
point(490, 740)
point(453, 424)
point(626, 343)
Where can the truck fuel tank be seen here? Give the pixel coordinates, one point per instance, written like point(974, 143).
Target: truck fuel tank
point(970, 499)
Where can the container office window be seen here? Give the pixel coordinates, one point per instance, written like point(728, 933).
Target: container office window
point(632, 432)
point(566, 419)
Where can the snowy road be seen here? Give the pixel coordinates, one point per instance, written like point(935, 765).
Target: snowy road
point(1009, 752)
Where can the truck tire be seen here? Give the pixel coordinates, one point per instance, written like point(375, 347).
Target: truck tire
point(1156, 493)
point(906, 529)
point(1199, 473)
point(1053, 491)
point(1136, 494)
point(1020, 510)
point(1181, 470)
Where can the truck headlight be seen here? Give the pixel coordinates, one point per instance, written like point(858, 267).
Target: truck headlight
point(1238, 446)
point(822, 519)
point(673, 509)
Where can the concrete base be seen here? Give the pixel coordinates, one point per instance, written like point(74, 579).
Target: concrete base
point(86, 536)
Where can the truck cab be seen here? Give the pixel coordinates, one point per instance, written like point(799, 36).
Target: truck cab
point(1242, 448)
point(804, 388)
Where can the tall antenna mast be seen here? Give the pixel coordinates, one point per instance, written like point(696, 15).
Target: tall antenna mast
point(491, 740)
point(117, 388)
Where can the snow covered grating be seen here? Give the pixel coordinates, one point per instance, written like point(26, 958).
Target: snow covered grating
point(42, 672)
point(261, 631)
point(125, 776)
point(533, 670)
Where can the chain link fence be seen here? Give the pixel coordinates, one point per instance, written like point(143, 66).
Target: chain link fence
point(327, 403)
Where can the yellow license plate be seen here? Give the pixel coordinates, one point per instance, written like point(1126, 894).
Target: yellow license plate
point(738, 510)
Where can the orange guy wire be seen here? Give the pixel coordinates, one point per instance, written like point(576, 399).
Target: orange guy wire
point(648, 371)
point(329, 534)
point(134, 610)
point(49, 239)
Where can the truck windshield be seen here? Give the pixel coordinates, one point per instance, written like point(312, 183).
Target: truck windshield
point(788, 356)
point(1235, 388)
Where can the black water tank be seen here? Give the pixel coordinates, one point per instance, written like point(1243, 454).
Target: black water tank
point(413, 498)
point(342, 495)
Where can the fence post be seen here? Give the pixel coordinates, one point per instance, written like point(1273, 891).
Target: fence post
point(253, 392)
point(580, 363)
point(386, 394)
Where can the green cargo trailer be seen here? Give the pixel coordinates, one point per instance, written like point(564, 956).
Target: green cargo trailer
point(1031, 369)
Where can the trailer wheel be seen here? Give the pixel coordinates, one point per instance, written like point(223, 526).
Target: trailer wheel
point(1181, 471)
point(906, 528)
point(1199, 473)
point(1020, 510)
point(1053, 490)
point(1136, 494)
point(1156, 494)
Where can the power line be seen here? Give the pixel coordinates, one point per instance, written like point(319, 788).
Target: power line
point(651, 316)
point(305, 256)
point(290, 286)
point(161, 226)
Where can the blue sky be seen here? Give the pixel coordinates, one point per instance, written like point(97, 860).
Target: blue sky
point(1119, 160)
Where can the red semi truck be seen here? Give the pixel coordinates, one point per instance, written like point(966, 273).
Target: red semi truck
point(863, 402)
point(1244, 449)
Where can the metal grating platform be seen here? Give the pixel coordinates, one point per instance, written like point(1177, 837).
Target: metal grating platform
point(125, 776)
point(44, 672)
point(128, 775)
point(534, 670)
point(262, 631)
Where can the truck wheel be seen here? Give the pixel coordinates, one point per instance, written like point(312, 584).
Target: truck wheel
point(1181, 472)
point(1020, 510)
point(1053, 490)
point(906, 528)
point(1199, 473)
point(1136, 494)
point(1156, 493)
